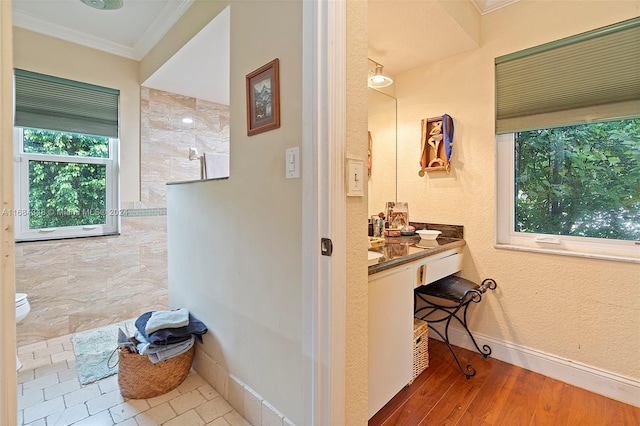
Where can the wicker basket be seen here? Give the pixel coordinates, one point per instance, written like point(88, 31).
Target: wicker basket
point(420, 347)
point(138, 378)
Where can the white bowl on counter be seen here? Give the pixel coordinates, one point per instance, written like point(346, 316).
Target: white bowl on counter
point(374, 257)
point(428, 234)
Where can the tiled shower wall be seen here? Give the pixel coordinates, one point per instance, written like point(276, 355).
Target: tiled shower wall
point(165, 140)
point(84, 283)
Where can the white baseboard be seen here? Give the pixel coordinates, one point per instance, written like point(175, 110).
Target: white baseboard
point(584, 376)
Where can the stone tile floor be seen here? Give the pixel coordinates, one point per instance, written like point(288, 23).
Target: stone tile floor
point(49, 393)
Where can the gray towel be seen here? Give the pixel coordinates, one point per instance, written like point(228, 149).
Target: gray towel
point(167, 319)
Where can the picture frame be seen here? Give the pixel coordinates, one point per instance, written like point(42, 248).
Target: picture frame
point(263, 98)
point(397, 213)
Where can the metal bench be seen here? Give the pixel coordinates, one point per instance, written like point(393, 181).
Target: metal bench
point(449, 298)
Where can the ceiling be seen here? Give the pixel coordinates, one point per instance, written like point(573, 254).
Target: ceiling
point(130, 31)
point(200, 69)
point(403, 34)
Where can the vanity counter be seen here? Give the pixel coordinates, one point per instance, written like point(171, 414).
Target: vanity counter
point(400, 250)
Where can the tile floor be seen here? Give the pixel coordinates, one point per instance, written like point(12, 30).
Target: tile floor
point(49, 393)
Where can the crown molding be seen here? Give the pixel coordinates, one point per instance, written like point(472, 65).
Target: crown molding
point(487, 6)
point(32, 23)
point(166, 19)
point(169, 15)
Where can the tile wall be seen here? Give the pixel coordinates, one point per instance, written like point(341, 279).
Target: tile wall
point(165, 140)
point(84, 283)
point(79, 284)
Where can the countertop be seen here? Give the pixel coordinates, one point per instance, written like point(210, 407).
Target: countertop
point(401, 250)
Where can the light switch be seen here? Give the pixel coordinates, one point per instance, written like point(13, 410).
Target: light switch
point(292, 163)
point(355, 178)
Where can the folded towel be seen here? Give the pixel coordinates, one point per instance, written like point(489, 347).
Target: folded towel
point(143, 343)
point(157, 353)
point(215, 165)
point(168, 336)
point(167, 319)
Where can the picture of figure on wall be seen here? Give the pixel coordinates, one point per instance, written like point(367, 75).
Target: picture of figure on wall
point(397, 214)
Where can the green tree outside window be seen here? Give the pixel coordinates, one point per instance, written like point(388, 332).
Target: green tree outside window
point(66, 193)
point(579, 180)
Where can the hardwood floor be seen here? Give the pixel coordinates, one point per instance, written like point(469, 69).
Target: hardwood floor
point(499, 394)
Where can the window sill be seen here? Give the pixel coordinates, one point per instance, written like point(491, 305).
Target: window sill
point(62, 238)
point(567, 253)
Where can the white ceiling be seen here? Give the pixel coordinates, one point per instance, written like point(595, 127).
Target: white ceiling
point(403, 34)
point(406, 34)
point(130, 31)
point(201, 68)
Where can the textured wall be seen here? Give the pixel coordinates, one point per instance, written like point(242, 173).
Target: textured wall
point(357, 278)
point(7, 278)
point(165, 139)
point(575, 308)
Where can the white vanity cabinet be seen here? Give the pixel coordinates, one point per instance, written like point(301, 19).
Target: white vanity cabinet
point(391, 321)
point(390, 334)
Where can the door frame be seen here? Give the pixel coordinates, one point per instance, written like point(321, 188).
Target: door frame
point(324, 211)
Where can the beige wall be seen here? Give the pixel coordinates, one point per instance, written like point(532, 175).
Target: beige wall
point(356, 388)
point(47, 55)
point(235, 245)
point(579, 309)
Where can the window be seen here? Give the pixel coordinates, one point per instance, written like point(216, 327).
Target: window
point(66, 146)
point(573, 189)
point(568, 161)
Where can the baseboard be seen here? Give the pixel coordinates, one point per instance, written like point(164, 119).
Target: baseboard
point(247, 402)
point(584, 376)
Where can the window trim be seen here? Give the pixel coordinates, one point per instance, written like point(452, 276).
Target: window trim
point(21, 188)
point(507, 238)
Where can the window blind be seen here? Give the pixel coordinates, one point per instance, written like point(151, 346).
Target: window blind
point(587, 77)
point(52, 103)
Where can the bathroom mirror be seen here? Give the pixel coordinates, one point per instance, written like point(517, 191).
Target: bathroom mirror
point(383, 181)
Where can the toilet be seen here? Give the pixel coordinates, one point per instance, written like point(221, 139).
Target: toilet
point(22, 310)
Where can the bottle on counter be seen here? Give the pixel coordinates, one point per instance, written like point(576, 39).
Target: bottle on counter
point(380, 224)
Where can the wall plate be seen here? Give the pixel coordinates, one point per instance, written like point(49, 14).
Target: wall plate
point(355, 178)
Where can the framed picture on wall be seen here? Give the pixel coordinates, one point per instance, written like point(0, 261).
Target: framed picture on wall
point(263, 99)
